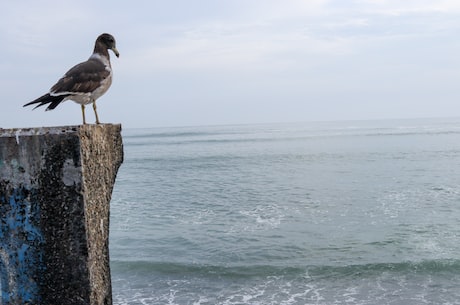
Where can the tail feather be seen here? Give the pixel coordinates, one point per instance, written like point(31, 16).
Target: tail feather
point(53, 101)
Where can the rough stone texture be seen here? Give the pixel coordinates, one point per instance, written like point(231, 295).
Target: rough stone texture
point(55, 190)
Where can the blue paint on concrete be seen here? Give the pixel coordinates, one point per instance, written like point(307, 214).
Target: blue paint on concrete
point(21, 257)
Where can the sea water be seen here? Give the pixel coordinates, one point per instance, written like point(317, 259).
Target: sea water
point(364, 212)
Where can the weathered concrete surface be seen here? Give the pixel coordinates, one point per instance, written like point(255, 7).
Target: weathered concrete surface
point(55, 189)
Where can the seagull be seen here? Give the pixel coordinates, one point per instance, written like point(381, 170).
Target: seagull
point(85, 82)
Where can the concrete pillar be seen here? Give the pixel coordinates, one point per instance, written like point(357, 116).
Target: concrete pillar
point(55, 189)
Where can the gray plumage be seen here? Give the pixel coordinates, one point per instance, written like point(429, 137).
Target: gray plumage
point(85, 82)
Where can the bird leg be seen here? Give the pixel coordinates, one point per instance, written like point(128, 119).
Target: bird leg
point(95, 112)
point(83, 113)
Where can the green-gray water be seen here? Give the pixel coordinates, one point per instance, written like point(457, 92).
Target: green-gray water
point(309, 213)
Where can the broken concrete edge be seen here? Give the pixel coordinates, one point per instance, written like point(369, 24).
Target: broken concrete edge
point(98, 182)
point(34, 131)
point(90, 177)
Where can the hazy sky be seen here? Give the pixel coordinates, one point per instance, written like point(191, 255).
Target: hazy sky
point(207, 62)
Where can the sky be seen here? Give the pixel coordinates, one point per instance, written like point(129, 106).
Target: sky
point(208, 62)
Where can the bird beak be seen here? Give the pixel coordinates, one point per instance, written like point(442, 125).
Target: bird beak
point(117, 54)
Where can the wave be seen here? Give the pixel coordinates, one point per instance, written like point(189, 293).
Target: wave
point(369, 270)
point(410, 133)
point(431, 267)
point(192, 137)
point(171, 134)
point(183, 132)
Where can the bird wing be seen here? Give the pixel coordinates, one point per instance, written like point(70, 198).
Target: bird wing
point(83, 78)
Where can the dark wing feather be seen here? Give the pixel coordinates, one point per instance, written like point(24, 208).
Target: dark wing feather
point(83, 78)
point(53, 101)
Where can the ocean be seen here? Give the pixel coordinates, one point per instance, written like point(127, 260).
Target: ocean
point(352, 212)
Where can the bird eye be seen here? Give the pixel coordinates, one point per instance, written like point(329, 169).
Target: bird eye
point(109, 39)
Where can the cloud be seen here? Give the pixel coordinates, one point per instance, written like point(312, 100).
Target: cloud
point(40, 25)
point(397, 8)
point(252, 33)
point(260, 58)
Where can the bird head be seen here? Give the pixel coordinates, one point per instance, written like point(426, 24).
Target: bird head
point(108, 41)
